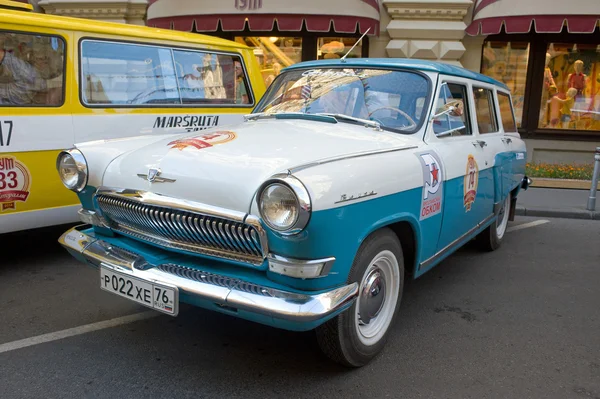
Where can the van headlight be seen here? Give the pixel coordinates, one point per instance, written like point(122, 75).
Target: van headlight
point(284, 204)
point(72, 169)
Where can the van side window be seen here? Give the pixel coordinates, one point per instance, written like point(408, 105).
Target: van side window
point(31, 70)
point(485, 111)
point(452, 108)
point(125, 74)
point(206, 78)
point(506, 113)
point(122, 74)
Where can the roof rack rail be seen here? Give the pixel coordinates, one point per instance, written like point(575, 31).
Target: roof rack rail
point(15, 5)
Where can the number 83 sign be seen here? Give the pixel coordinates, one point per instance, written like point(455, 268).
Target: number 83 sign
point(15, 181)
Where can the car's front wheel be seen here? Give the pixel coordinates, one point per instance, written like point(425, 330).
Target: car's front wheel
point(491, 238)
point(357, 335)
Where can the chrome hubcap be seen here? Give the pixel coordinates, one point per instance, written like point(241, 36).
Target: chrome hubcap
point(377, 298)
point(372, 297)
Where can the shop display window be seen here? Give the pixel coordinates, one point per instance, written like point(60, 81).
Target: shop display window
point(571, 89)
point(274, 53)
point(507, 62)
point(337, 47)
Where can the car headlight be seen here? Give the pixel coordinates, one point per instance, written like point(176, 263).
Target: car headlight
point(284, 204)
point(72, 169)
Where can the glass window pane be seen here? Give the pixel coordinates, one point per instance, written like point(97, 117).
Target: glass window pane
point(274, 53)
point(206, 78)
point(507, 63)
point(388, 97)
point(31, 70)
point(485, 111)
point(337, 47)
point(571, 90)
point(453, 121)
point(127, 74)
point(506, 113)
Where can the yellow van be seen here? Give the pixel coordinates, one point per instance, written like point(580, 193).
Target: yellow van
point(69, 80)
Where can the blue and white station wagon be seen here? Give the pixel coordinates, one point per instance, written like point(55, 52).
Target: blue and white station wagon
point(349, 177)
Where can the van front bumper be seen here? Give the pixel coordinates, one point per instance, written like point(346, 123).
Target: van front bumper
point(276, 307)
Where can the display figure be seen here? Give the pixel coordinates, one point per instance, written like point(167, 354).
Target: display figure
point(548, 82)
point(567, 105)
point(577, 79)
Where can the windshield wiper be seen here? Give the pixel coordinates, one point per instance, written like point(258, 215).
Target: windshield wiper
point(291, 115)
point(366, 122)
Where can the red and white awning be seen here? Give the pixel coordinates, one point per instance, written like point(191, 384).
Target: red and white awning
point(341, 16)
point(543, 16)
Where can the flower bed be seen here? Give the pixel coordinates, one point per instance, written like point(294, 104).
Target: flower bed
point(560, 171)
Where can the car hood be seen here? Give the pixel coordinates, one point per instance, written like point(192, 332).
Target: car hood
point(225, 167)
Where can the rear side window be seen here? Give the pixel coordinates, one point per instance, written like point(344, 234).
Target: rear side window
point(485, 110)
point(136, 75)
point(506, 113)
point(31, 70)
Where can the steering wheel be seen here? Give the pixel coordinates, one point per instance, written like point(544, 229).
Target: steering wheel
point(404, 114)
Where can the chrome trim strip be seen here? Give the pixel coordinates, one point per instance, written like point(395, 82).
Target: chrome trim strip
point(91, 217)
point(220, 289)
point(147, 197)
point(347, 156)
point(452, 246)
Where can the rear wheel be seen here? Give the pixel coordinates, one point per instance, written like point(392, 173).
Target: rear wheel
point(490, 239)
point(358, 335)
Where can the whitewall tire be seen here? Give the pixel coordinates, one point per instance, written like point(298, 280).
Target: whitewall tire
point(490, 239)
point(359, 334)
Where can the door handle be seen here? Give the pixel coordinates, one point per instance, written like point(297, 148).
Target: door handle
point(507, 140)
point(480, 143)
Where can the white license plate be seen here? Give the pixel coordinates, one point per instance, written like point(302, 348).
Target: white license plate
point(156, 296)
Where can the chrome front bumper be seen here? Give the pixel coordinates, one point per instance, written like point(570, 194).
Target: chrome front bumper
point(223, 291)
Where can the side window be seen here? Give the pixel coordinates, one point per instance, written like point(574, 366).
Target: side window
point(452, 111)
point(506, 113)
point(31, 70)
point(127, 74)
point(485, 111)
point(206, 78)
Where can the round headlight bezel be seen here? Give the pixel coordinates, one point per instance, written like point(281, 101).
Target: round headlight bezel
point(80, 164)
point(303, 203)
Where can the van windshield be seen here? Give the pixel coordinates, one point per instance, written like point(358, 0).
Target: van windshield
point(394, 99)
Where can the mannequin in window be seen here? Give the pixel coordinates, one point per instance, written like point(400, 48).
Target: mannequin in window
point(548, 82)
point(577, 79)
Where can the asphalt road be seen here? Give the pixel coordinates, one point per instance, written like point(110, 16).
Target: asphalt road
point(521, 322)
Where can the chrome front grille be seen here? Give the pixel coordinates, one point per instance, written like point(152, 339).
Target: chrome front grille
point(185, 229)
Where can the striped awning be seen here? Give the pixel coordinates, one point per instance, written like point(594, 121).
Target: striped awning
point(341, 16)
point(540, 16)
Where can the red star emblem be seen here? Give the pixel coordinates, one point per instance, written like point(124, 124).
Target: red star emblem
point(434, 175)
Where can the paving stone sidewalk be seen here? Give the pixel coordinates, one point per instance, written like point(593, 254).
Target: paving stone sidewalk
point(553, 202)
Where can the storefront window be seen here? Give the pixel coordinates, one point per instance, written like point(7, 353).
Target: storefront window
point(274, 53)
point(507, 63)
point(571, 90)
point(337, 47)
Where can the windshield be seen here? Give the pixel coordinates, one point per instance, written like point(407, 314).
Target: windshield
point(394, 99)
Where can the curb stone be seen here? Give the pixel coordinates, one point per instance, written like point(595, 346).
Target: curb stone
point(558, 213)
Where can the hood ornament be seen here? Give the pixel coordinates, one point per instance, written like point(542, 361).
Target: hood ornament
point(153, 176)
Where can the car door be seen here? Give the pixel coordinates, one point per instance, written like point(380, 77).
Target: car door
point(467, 159)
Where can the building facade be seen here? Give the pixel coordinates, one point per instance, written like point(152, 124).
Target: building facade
point(546, 51)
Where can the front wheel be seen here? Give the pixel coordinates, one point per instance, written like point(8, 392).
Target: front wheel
point(358, 335)
point(490, 239)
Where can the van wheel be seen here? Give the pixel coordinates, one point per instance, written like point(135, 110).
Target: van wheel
point(490, 239)
point(357, 335)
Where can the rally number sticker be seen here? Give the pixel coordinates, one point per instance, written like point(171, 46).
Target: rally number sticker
point(6, 130)
point(15, 182)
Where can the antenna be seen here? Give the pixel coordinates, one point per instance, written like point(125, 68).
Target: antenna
point(355, 44)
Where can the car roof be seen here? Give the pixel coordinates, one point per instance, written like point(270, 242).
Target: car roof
point(401, 63)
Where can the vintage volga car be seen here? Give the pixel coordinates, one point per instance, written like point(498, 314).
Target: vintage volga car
point(349, 177)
